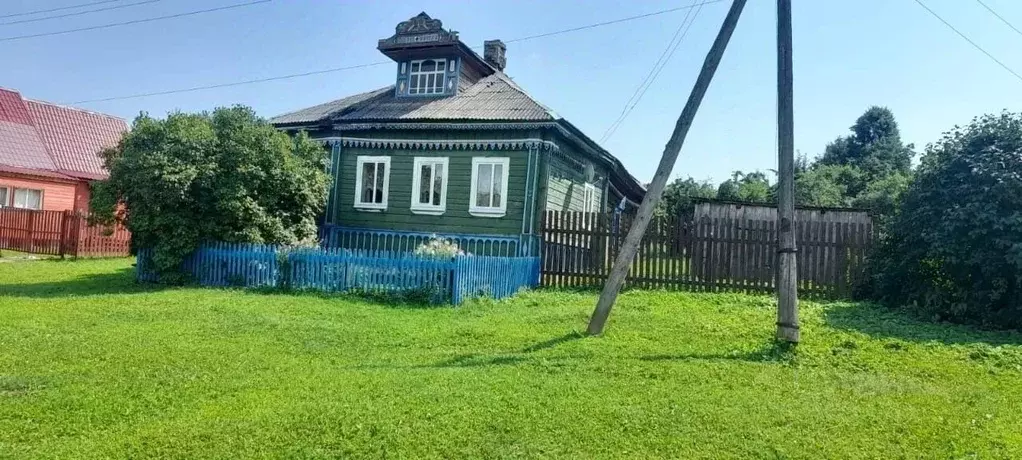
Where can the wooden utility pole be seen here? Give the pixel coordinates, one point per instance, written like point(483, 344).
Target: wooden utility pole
point(787, 275)
point(656, 187)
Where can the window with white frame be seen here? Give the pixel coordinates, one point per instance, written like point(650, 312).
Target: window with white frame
point(372, 179)
point(429, 185)
point(5, 197)
point(427, 76)
point(489, 187)
point(589, 201)
point(27, 198)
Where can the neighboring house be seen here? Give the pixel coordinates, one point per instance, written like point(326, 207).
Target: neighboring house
point(50, 152)
point(454, 146)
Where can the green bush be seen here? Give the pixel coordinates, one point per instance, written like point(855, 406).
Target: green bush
point(954, 249)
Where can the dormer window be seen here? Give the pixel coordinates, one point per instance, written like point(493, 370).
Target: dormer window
point(427, 76)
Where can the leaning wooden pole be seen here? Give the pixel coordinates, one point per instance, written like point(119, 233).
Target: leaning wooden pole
point(656, 187)
point(787, 275)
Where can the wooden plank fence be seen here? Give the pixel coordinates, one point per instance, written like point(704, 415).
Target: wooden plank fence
point(60, 233)
point(734, 255)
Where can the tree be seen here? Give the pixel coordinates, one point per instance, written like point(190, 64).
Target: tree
point(954, 249)
point(678, 195)
point(751, 187)
point(226, 176)
point(823, 185)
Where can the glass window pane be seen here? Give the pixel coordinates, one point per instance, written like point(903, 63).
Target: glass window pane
point(415, 67)
point(429, 84)
point(368, 176)
point(438, 183)
point(424, 182)
point(3, 197)
point(438, 87)
point(484, 183)
point(440, 65)
point(35, 199)
point(413, 85)
point(498, 181)
point(19, 198)
point(381, 172)
point(428, 66)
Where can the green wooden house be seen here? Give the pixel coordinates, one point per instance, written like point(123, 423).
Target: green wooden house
point(453, 146)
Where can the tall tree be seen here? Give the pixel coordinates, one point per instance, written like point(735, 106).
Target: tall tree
point(678, 195)
point(751, 187)
point(226, 175)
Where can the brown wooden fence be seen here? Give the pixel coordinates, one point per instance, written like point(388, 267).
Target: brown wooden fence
point(702, 255)
point(60, 233)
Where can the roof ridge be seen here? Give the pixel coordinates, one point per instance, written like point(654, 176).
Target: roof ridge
point(78, 109)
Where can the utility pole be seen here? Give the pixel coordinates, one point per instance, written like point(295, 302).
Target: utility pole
point(656, 187)
point(787, 275)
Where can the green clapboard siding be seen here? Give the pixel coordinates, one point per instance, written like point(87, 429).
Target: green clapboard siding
point(565, 185)
point(398, 215)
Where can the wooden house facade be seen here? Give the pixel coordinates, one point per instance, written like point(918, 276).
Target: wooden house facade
point(454, 146)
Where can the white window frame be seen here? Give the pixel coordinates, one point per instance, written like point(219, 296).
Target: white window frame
point(489, 211)
point(361, 160)
point(15, 194)
point(423, 76)
point(589, 203)
point(7, 196)
point(429, 208)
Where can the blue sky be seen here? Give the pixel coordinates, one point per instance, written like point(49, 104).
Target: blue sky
point(849, 54)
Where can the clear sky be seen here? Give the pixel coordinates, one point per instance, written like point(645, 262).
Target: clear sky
point(849, 54)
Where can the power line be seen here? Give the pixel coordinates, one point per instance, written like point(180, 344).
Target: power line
point(372, 64)
point(82, 5)
point(136, 21)
point(656, 74)
point(960, 34)
point(78, 13)
point(645, 81)
point(1005, 21)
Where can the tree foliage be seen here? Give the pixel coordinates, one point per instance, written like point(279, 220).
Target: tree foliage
point(678, 195)
point(750, 187)
point(226, 175)
point(954, 251)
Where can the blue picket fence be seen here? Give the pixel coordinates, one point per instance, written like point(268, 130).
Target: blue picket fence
point(341, 270)
point(333, 236)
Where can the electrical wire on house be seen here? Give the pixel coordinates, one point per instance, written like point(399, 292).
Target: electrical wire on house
point(1002, 18)
point(70, 7)
point(966, 38)
point(654, 72)
point(377, 63)
point(136, 21)
point(78, 13)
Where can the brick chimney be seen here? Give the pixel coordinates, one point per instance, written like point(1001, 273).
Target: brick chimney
point(493, 53)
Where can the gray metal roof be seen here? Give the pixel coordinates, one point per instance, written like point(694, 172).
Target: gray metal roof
point(495, 97)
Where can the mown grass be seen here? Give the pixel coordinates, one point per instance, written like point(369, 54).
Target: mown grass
point(93, 365)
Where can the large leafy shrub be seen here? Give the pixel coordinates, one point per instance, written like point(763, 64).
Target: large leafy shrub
point(226, 176)
point(954, 250)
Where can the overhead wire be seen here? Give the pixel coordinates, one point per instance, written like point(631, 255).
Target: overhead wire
point(966, 38)
point(1002, 18)
point(77, 13)
point(135, 21)
point(377, 63)
point(62, 8)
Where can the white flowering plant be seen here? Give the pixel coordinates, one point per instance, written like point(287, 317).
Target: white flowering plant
point(439, 248)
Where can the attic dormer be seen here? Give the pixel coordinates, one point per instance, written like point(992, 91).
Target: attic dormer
point(433, 62)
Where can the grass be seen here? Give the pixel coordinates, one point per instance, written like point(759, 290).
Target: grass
point(93, 365)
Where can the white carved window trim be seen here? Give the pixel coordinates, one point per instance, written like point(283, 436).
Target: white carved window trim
point(419, 207)
point(494, 209)
point(378, 160)
point(24, 201)
point(589, 203)
point(418, 80)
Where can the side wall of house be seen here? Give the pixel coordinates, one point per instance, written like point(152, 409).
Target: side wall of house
point(57, 196)
point(566, 180)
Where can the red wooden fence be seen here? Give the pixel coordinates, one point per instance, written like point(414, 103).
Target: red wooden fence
point(60, 233)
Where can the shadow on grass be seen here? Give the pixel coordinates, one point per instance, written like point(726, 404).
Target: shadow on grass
point(776, 352)
point(119, 282)
point(573, 335)
point(882, 322)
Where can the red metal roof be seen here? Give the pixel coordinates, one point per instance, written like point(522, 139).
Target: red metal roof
point(54, 140)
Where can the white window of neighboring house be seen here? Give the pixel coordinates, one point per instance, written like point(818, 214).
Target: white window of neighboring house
point(589, 201)
point(26, 198)
point(5, 197)
point(427, 76)
point(489, 187)
point(372, 180)
point(429, 185)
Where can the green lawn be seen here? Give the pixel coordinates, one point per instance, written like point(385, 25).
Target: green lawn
point(93, 365)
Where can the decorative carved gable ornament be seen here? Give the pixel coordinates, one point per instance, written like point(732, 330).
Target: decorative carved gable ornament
point(419, 29)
